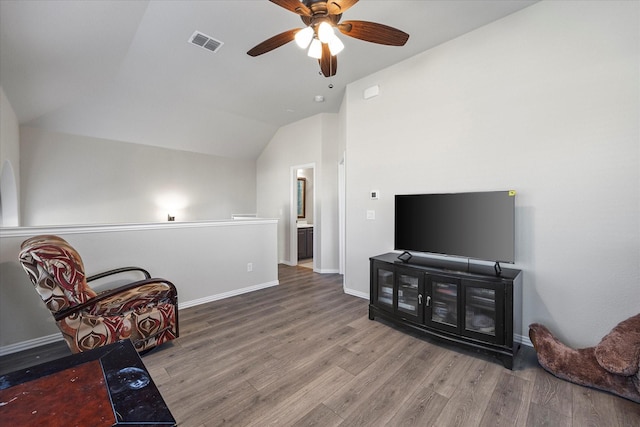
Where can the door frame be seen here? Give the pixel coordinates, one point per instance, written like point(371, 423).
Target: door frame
point(342, 213)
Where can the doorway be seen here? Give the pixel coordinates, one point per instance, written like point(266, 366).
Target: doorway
point(303, 236)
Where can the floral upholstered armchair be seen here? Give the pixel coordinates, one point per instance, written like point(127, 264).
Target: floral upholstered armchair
point(145, 311)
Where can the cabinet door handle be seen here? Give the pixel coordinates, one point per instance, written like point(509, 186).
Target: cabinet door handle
point(419, 298)
point(428, 300)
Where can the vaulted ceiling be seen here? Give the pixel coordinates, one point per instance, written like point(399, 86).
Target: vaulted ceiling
point(125, 71)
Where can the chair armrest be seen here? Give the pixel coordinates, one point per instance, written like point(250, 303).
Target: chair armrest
point(110, 293)
point(117, 271)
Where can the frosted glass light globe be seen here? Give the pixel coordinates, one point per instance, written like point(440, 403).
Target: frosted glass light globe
point(315, 50)
point(335, 45)
point(325, 32)
point(303, 37)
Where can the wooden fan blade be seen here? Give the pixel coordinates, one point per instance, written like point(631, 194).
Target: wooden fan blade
point(336, 7)
point(274, 42)
point(294, 6)
point(374, 32)
point(328, 63)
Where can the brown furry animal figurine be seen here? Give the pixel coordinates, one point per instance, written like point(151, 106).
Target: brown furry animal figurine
point(613, 365)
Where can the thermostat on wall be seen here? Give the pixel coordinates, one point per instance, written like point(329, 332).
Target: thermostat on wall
point(375, 195)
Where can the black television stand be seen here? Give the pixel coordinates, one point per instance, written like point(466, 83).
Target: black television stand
point(477, 306)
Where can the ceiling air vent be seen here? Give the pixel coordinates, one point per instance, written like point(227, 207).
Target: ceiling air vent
point(205, 42)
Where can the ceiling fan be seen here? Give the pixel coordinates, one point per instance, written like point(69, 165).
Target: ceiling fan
point(321, 18)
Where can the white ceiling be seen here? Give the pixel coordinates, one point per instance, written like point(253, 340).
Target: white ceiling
point(124, 70)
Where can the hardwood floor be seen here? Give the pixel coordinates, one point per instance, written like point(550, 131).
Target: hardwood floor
point(305, 354)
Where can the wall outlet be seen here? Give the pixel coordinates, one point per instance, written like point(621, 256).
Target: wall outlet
point(371, 214)
point(250, 266)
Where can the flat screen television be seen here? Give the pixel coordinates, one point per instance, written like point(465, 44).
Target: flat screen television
point(478, 225)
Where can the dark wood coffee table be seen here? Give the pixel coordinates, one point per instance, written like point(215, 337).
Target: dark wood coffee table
point(107, 386)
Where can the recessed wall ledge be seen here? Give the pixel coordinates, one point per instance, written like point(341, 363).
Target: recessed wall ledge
point(106, 228)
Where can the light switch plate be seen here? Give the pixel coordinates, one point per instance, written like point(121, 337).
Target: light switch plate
point(371, 214)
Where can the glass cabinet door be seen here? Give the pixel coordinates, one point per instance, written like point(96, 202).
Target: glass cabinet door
point(384, 289)
point(482, 318)
point(409, 295)
point(442, 303)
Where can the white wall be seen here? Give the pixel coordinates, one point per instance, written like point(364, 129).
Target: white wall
point(9, 164)
point(327, 195)
point(309, 141)
point(544, 101)
point(206, 261)
point(71, 179)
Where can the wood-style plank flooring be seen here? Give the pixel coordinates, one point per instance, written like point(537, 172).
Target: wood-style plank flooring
point(305, 354)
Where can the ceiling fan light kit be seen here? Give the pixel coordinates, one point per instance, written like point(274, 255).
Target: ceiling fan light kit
point(325, 35)
point(321, 19)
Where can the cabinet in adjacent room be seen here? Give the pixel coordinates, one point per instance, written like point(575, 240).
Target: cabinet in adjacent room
point(305, 242)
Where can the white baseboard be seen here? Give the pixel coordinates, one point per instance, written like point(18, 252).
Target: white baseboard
point(326, 271)
point(353, 292)
point(26, 345)
point(523, 339)
point(229, 294)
